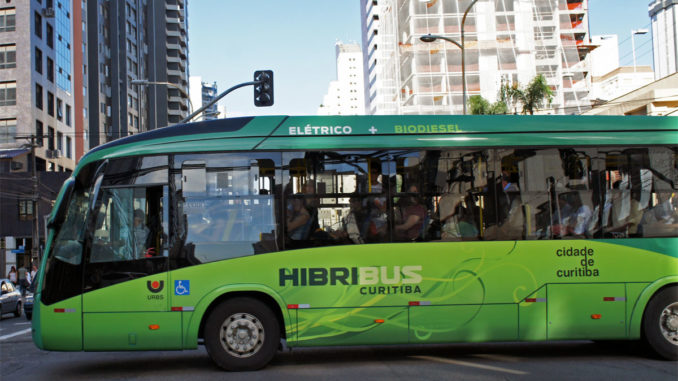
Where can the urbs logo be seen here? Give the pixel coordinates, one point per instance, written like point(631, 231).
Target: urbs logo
point(155, 287)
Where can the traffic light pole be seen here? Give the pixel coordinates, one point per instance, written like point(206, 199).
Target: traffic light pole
point(263, 94)
point(215, 100)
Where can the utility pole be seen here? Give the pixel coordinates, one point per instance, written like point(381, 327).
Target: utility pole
point(35, 197)
point(35, 246)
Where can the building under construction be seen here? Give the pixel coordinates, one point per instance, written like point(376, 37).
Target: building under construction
point(506, 41)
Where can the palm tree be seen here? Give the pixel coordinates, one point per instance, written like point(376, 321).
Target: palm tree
point(511, 96)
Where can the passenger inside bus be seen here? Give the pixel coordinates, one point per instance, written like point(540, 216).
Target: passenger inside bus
point(350, 232)
point(662, 219)
point(302, 217)
point(509, 218)
point(571, 217)
point(413, 216)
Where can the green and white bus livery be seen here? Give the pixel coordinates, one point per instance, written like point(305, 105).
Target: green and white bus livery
point(362, 230)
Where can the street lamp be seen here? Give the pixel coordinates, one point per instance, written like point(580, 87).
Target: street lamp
point(145, 82)
point(633, 44)
point(431, 37)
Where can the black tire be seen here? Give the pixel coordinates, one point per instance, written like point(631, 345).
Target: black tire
point(660, 323)
point(18, 311)
point(259, 329)
point(29, 316)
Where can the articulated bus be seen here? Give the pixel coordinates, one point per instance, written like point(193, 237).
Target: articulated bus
point(248, 234)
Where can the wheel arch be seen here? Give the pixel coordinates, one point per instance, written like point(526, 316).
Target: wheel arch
point(638, 312)
point(264, 294)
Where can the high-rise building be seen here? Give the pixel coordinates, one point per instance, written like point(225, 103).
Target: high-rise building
point(139, 40)
point(664, 16)
point(506, 41)
point(37, 82)
point(345, 96)
point(201, 94)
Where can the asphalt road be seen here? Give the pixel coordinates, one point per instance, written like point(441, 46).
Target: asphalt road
point(580, 360)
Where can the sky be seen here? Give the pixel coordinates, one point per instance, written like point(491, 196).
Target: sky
point(230, 39)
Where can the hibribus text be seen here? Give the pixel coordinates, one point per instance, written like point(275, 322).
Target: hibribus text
point(363, 276)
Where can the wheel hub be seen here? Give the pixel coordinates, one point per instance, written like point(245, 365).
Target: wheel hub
point(668, 322)
point(242, 335)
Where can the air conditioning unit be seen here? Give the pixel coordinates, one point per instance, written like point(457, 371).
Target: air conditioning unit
point(48, 12)
point(53, 153)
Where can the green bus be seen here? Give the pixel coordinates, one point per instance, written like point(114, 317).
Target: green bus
point(248, 234)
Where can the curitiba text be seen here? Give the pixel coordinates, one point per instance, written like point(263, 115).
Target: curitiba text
point(584, 262)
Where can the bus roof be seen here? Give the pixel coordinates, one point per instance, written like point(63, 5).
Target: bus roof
point(392, 131)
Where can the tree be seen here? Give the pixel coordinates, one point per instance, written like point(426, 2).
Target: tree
point(532, 97)
point(511, 96)
point(478, 105)
point(481, 106)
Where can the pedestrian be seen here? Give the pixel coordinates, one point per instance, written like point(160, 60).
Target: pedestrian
point(12, 275)
point(22, 280)
point(33, 272)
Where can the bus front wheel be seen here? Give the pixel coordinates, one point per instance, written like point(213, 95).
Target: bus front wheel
point(242, 334)
point(660, 324)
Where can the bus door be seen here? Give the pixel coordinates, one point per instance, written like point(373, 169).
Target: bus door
point(125, 296)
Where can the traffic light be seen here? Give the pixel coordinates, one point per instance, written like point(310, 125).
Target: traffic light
point(263, 90)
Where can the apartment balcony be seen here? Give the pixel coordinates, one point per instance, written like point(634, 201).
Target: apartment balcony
point(173, 46)
point(546, 60)
point(173, 33)
point(569, 27)
point(173, 7)
point(172, 20)
point(547, 41)
point(571, 5)
point(175, 59)
point(175, 112)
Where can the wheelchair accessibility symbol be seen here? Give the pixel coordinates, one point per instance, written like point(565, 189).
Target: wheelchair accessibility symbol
point(182, 287)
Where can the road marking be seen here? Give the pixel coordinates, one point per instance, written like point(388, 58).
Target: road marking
point(27, 330)
point(498, 358)
point(24, 323)
point(470, 364)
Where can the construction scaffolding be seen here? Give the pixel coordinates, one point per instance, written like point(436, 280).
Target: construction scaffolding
point(506, 41)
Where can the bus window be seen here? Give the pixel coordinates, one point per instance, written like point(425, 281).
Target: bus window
point(640, 198)
point(503, 214)
point(413, 194)
point(225, 206)
point(335, 198)
point(462, 175)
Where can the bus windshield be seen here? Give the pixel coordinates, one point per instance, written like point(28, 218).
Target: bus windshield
point(69, 237)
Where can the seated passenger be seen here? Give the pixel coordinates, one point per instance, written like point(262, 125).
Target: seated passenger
point(662, 219)
point(298, 221)
point(574, 216)
point(351, 224)
point(375, 226)
point(413, 217)
point(625, 213)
